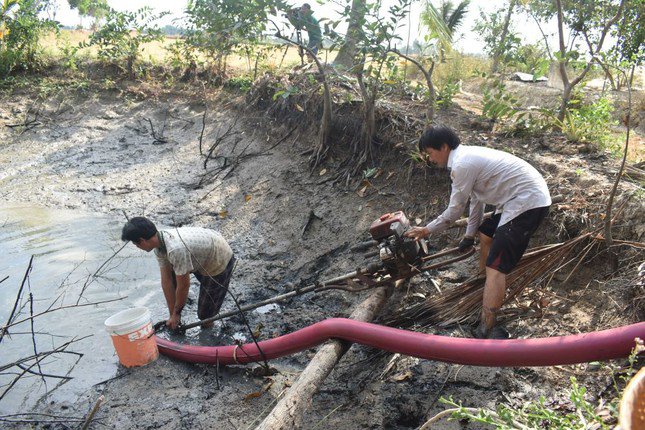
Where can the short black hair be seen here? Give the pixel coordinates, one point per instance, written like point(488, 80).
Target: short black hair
point(138, 228)
point(435, 137)
point(306, 5)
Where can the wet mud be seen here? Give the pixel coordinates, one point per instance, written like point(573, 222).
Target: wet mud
point(287, 225)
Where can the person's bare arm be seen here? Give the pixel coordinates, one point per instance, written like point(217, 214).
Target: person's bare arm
point(168, 287)
point(181, 294)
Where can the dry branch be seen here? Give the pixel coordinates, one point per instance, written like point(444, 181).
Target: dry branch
point(3, 330)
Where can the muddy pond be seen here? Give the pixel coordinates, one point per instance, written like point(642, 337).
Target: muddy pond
point(68, 248)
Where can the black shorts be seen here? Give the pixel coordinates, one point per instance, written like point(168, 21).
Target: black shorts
point(212, 291)
point(511, 240)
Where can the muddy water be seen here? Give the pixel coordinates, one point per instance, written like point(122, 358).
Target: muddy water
point(68, 248)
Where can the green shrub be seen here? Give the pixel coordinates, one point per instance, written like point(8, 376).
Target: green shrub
point(120, 39)
point(498, 103)
point(589, 122)
point(69, 52)
point(531, 59)
point(241, 83)
point(446, 92)
point(20, 30)
point(577, 412)
point(182, 55)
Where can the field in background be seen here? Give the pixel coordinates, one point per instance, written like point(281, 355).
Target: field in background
point(457, 69)
point(157, 52)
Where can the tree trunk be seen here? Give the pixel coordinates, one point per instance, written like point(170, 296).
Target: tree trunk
point(562, 60)
point(362, 150)
point(502, 39)
point(324, 133)
point(289, 412)
point(431, 90)
point(347, 52)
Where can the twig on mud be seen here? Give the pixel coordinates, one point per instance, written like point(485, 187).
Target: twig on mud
point(93, 412)
point(201, 134)
point(263, 411)
point(119, 376)
point(44, 375)
point(189, 122)
point(439, 391)
point(28, 124)
point(158, 138)
point(52, 419)
point(219, 139)
point(310, 219)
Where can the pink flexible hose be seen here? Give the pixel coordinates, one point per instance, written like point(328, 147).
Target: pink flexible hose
point(579, 348)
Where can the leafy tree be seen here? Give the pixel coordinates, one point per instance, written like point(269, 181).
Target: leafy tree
point(629, 49)
point(440, 34)
point(20, 31)
point(591, 20)
point(217, 27)
point(499, 37)
point(120, 39)
point(374, 47)
point(96, 9)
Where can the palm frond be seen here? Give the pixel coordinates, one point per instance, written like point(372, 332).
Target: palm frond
point(458, 15)
point(432, 20)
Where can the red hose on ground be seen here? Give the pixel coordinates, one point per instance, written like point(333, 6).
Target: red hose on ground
point(579, 348)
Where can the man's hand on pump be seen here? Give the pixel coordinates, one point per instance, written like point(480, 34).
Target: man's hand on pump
point(418, 233)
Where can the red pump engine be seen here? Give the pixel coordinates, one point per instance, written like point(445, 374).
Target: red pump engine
point(397, 252)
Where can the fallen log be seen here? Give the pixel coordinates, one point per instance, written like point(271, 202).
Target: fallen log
point(288, 413)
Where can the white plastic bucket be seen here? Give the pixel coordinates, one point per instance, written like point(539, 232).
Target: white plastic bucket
point(133, 337)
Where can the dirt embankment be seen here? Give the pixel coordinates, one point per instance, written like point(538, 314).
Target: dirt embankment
point(287, 224)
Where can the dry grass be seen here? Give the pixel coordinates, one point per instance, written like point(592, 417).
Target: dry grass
point(157, 52)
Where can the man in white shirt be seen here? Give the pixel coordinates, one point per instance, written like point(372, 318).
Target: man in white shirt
point(180, 252)
point(487, 176)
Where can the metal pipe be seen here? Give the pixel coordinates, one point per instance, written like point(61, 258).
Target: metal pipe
point(371, 268)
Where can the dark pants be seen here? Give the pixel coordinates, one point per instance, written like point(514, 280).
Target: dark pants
point(212, 291)
point(511, 240)
point(313, 45)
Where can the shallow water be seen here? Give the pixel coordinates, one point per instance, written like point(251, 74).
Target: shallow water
point(68, 248)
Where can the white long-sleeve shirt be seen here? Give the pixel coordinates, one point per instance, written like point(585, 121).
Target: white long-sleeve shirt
point(488, 176)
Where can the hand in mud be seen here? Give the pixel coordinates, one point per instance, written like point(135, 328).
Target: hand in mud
point(417, 233)
point(174, 321)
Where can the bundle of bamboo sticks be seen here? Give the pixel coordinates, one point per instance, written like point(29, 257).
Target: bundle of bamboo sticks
point(462, 304)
